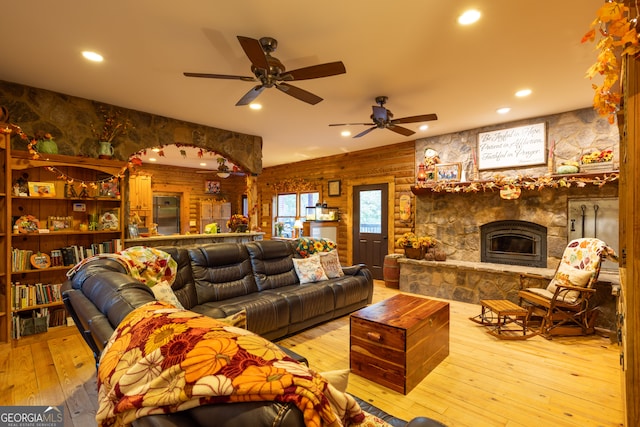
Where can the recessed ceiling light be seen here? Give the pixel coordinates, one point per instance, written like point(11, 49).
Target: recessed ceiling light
point(92, 56)
point(503, 110)
point(345, 133)
point(523, 92)
point(469, 17)
point(255, 106)
point(203, 164)
point(424, 127)
point(152, 159)
point(155, 150)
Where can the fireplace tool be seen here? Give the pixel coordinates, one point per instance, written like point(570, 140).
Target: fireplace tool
point(584, 209)
point(595, 220)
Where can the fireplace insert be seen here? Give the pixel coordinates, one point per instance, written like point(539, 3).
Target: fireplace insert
point(514, 242)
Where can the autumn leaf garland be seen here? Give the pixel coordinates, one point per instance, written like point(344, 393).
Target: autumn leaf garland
point(619, 39)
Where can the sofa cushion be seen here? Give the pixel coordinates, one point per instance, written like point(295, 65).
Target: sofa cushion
point(272, 262)
point(309, 269)
point(267, 314)
point(307, 246)
point(569, 276)
point(331, 264)
point(221, 271)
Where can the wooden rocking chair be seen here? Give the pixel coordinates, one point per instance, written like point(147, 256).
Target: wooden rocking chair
point(563, 307)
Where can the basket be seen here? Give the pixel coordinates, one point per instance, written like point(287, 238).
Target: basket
point(592, 159)
point(34, 325)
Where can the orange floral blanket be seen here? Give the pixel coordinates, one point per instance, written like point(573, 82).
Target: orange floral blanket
point(162, 359)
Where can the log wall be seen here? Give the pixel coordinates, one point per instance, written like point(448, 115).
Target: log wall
point(393, 164)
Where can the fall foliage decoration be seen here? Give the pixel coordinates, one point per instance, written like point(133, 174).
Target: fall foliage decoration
point(500, 182)
point(619, 38)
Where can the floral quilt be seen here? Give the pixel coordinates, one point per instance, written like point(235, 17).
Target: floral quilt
point(162, 359)
point(148, 265)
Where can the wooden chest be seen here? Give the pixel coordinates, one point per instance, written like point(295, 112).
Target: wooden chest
point(398, 341)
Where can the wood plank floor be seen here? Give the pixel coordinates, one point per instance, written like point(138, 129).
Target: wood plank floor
point(483, 381)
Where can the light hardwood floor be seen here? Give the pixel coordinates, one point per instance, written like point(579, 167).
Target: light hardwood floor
point(483, 381)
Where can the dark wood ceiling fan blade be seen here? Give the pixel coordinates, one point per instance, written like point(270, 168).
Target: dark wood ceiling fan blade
point(221, 76)
point(401, 130)
point(250, 96)
point(352, 124)
point(298, 93)
point(253, 49)
point(316, 71)
point(363, 133)
point(415, 119)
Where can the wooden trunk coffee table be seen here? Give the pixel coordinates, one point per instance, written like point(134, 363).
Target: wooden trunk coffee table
point(398, 341)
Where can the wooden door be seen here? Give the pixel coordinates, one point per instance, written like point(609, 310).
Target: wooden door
point(370, 226)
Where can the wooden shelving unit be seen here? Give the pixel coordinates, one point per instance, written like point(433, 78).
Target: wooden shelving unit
point(5, 230)
point(95, 177)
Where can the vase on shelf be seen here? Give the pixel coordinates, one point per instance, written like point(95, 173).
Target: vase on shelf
point(47, 146)
point(414, 253)
point(106, 150)
point(240, 228)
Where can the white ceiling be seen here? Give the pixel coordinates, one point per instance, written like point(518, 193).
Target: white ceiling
point(412, 51)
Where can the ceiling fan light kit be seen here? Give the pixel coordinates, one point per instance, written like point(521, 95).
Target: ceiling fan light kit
point(270, 72)
point(382, 118)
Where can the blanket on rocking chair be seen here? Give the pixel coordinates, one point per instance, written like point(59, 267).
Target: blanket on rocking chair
point(162, 359)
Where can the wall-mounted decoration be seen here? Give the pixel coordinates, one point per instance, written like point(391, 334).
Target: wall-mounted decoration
point(212, 187)
point(334, 188)
point(448, 172)
point(405, 207)
point(513, 147)
point(42, 189)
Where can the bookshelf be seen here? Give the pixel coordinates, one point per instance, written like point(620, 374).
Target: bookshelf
point(5, 215)
point(57, 210)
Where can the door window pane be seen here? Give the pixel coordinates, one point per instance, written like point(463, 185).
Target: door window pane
point(371, 211)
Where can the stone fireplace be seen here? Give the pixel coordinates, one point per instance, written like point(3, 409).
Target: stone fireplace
point(514, 242)
point(495, 263)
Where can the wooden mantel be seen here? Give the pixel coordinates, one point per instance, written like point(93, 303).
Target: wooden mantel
point(525, 183)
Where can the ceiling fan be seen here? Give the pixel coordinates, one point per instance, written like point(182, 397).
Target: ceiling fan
point(383, 119)
point(223, 170)
point(270, 72)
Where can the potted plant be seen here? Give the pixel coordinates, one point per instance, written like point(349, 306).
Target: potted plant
point(238, 223)
point(415, 246)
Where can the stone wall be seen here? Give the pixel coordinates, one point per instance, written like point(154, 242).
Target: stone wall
point(69, 119)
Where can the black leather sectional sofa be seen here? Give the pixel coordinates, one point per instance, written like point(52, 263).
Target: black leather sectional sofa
point(219, 280)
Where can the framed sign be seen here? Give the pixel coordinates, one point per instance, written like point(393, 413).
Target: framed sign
point(334, 188)
point(448, 172)
point(513, 147)
point(40, 260)
point(212, 187)
point(42, 189)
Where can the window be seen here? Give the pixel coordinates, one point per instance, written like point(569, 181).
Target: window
point(371, 211)
point(290, 206)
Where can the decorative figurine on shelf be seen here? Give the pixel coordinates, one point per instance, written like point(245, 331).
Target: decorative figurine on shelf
point(83, 192)
point(69, 190)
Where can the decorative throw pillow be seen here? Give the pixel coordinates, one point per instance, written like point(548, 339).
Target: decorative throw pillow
point(163, 292)
point(239, 319)
point(309, 269)
point(331, 264)
point(308, 246)
point(570, 276)
point(338, 378)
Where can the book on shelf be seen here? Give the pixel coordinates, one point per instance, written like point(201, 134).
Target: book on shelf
point(33, 294)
